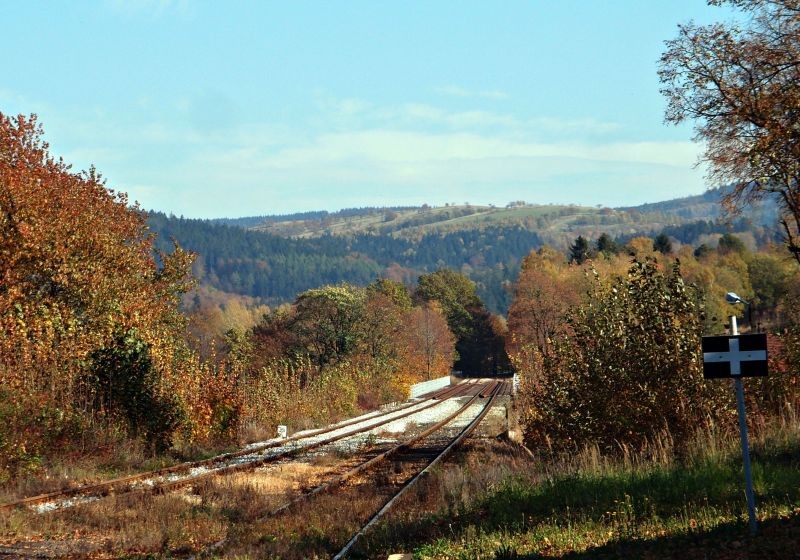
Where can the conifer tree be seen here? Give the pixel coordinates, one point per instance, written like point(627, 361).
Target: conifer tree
point(579, 251)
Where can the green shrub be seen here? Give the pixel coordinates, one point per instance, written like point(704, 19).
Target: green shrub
point(628, 366)
point(125, 386)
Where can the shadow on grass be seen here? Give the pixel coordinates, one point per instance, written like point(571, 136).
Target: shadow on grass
point(675, 500)
point(776, 538)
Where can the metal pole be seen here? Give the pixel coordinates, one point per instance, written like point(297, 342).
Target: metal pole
point(748, 475)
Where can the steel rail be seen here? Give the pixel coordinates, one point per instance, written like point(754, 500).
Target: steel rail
point(296, 451)
point(122, 484)
point(496, 390)
point(339, 479)
point(373, 461)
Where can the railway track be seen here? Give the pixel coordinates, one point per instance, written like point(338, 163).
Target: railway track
point(372, 460)
point(185, 474)
point(492, 391)
point(418, 455)
point(397, 449)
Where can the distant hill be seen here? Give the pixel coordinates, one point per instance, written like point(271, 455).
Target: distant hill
point(554, 223)
point(262, 222)
point(275, 269)
point(274, 258)
point(706, 206)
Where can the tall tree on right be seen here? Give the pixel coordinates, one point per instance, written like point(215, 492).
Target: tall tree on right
point(741, 86)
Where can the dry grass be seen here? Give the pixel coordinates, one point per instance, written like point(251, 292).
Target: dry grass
point(134, 524)
point(442, 497)
point(312, 530)
point(711, 442)
point(72, 469)
point(320, 528)
point(179, 523)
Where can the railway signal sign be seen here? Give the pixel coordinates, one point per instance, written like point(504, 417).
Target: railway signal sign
point(735, 356)
point(738, 356)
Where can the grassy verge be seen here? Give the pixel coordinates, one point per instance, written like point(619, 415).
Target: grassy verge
point(649, 505)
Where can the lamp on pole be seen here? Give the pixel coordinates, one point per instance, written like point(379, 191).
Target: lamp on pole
point(733, 299)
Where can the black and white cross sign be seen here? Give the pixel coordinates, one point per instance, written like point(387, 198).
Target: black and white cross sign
point(742, 355)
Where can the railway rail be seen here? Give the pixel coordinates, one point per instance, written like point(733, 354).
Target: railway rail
point(189, 473)
point(378, 458)
point(490, 391)
point(482, 392)
point(493, 390)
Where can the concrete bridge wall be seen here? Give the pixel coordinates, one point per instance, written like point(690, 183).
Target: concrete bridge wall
point(429, 386)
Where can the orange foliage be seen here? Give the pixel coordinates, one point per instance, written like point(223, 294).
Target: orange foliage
point(429, 343)
point(546, 288)
point(77, 269)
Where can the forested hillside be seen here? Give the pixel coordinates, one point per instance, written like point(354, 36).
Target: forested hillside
point(274, 258)
point(276, 268)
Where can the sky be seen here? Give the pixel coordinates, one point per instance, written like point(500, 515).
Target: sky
point(224, 109)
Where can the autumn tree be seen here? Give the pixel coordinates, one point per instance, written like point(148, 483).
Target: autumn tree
point(213, 313)
point(729, 243)
point(486, 352)
point(456, 294)
point(273, 337)
point(739, 84)
point(395, 291)
point(339, 349)
point(329, 322)
point(467, 318)
point(770, 277)
point(81, 292)
point(640, 246)
point(544, 292)
point(383, 321)
point(430, 344)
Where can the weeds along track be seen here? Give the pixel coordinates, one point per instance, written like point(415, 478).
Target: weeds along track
point(251, 457)
point(371, 481)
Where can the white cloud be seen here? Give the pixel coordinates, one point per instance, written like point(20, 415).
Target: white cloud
point(415, 147)
point(458, 119)
point(354, 113)
point(353, 152)
point(389, 167)
point(580, 126)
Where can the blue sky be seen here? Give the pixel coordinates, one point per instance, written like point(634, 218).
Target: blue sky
point(211, 109)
